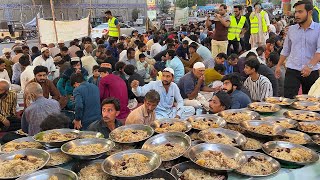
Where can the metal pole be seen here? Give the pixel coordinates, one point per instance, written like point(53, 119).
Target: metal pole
point(54, 20)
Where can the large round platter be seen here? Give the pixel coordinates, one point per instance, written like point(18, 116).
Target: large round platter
point(120, 129)
point(305, 97)
point(59, 173)
point(305, 137)
point(314, 127)
point(157, 124)
point(263, 107)
point(90, 135)
point(39, 137)
point(301, 115)
point(247, 125)
point(282, 121)
point(214, 121)
point(281, 101)
point(20, 140)
point(235, 116)
point(306, 105)
point(56, 150)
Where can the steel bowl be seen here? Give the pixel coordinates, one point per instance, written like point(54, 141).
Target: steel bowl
point(92, 134)
point(106, 143)
point(157, 123)
point(234, 135)
point(38, 137)
point(220, 122)
point(60, 173)
point(247, 149)
point(24, 139)
point(305, 136)
point(253, 123)
point(312, 116)
point(55, 150)
point(306, 105)
point(315, 123)
point(193, 143)
point(278, 120)
point(274, 163)
point(165, 138)
point(39, 153)
point(78, 166)
point(281, 101)
point(147, 128)
point(153, 164)
point(272, 107)
point(305, 97)
point(269, 146)
point(157, 174)
point(229, 151)
point(178, 170)
point(228, 115)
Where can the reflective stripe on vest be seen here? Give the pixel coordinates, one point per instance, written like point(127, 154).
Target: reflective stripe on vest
point(113, 30)
point(255, 23)
point(317, 9)
point(235, 29)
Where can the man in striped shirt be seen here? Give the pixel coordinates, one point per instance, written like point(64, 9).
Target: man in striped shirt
point(258, 85)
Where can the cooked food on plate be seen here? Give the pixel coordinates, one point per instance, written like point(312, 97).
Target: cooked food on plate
point(131, 165)
point(13, 146)
point(296, 138)
point(56, 136)
point(263, 129)
point(93, 172)
point(176, 126)
point(195, 174)
point(202, 123)
point(256, 165)
point(251, 144)
point(293, 154)
point(237, 117)
point(215, 160)
point(57, 158)
point(168, 151)
point(87, 149)
point(219, 138)
point(130, 135)
point(309, 127)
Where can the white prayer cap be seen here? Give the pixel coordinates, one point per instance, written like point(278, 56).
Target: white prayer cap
point(198, 65)
point(6, 50)
point(44, 49)
point(75, 59)
point(170, 70)
point(61, 41)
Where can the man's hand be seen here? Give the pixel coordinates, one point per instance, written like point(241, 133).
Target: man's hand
point(305, 72)
point(134, 84)
point(6, 123)
point(278, 72)
point(201, 80)
point(218, 16)
point(77, 124)
point(146, 65)
point(78, 71)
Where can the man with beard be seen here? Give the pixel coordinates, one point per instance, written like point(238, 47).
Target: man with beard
point(45, 60)
point(7, 60)
point(301, 51)
point(232, 86)
point(169, 93)
point(110, 110)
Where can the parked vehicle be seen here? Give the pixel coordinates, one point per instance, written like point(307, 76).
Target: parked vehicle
point(102, 30)
point(11, 30)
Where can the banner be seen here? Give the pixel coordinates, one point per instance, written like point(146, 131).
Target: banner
point(66, 30)
point(152, 15)
point(181, 16)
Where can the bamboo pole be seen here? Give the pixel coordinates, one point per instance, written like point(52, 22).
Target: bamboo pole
point(54, 20)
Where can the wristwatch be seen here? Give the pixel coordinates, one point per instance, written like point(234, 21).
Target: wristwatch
point(310, 66)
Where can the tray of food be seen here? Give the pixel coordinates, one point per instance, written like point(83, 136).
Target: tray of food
point(206, 121)
point(217, 157)
point(191, 171)
point(57, 157)
point(289, 153)
point(169, 146)
point(193, 143)
point(170, 125)
point(235, 116)
point(56, 137)
point(131, 133)
point(118, 147)
point(305, 97)
point(51, 174)
point(279, 101)
point(87, 148)
point(264, 107)
point(306, 105)
point(21, 143)
point(258, 165)
point(235, 127)
point(295, 137)
point(131, 163)
point(282, 121)
point(310, 127)
point(260, 128)
point(301, 115)
point(222, 136)
point(316, 139)
point(251, 144)
point(90, 135)
point(22, 162)
point(90, 170)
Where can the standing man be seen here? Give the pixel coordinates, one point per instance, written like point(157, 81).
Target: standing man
point(114, 26)
point(87, 102)
point(259, 20)
point(221, 20)
point(236, 29)
point(301, 50)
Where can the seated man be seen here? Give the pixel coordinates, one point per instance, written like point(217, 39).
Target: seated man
point(194, 57)
point(110, 110)
point(173, 61)
point(169, 93)
point(55, 121)
point(145, 114)
point(191, 84)
point(38, 108)
point(232, 85)
point(220, 101)
point(258, 85)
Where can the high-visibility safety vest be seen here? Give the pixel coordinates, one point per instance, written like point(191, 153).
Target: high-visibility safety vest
point(235, 28)
point(255, 23)
point(113, 30)
point(317, 9)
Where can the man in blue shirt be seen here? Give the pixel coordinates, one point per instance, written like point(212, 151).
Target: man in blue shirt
point(87, 102)
point(231, 64)
point(169, 93)
point(232, 85)
point(173, 61)
point(183, 50)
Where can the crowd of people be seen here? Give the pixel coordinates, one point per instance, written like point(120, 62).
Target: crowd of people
point(226, 62)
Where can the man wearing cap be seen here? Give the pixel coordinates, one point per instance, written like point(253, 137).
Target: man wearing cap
point(113, 24)
point(191, 84)
point(3, 71)
point(183, 51)
point(220, 101)
point(45, 60)
point(61, 44)
point(171, 103)
point(7, 60)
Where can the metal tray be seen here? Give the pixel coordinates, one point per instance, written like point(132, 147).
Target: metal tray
point(281, 101)
point(236, 136)
point(247, 124)
point(306, 105)
point(306, 137)
point(92, 134)
point(316, 123)
point(220, 122)
point(278, 120)
point(305, 97)
point(55, 150)
point(270, 108)
point(60, 173)
point(157, 123)
point(38, 137)
point(312, 116)
point(232, 112)
point(24, 139)
point(146, 128)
